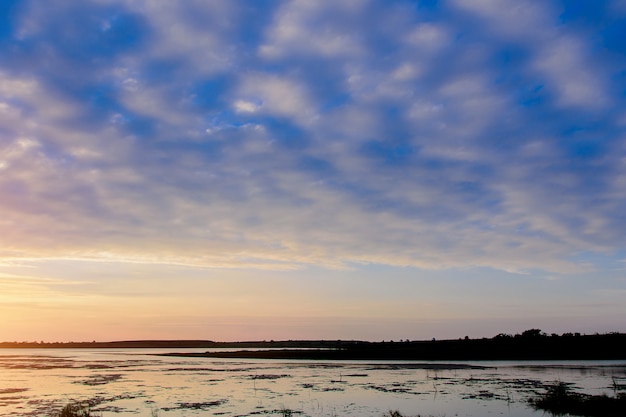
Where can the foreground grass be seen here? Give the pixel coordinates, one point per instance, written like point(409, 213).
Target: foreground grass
point(81, 410)
point(75, 410)
point(560, 400)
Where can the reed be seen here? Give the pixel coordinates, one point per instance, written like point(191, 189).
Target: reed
point(559, 400)
point(76, 410)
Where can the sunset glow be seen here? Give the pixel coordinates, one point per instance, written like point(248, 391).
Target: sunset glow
point(311, 169)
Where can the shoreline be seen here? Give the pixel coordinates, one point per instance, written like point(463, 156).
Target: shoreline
point(530, 345)
point(365, 355)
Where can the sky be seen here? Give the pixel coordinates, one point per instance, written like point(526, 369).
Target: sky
point(311, 169)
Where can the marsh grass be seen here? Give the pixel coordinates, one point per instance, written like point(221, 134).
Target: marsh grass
point(285, 412)
point(559, 400)
point(76, 410)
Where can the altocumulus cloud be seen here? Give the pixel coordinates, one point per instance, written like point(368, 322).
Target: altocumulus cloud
point(280, 134)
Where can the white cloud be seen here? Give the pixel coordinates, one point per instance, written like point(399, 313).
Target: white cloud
point(192, 31)
point(304, 27)
point(281, 96)
point(12, 87)
point(562, 57)
point(244, 106)
point(429, 37)
point(571, 72)
point(513, 18)
point(406, 72)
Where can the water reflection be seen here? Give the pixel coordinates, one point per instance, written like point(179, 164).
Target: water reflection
point(133, 382)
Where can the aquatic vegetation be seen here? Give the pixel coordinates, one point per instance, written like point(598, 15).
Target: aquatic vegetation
point(195, 405)
point(135, 384)
point(75, 410)
point(559, 399)
point(99, 379)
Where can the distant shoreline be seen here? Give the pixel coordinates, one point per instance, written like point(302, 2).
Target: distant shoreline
point(318, 355)
point(315, 355)
point(179, 344)
point(530, 345)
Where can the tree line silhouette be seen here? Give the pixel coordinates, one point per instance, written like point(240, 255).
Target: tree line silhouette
point(532, 344)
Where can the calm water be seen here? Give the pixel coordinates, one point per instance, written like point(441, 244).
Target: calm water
point(133, 382)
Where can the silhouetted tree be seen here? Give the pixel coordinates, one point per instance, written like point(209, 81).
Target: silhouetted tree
point(533, 333)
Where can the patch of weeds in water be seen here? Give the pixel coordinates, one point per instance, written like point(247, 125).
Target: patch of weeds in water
point(559, 400)
point(208, 370)
point(268, 376)
point(99, 379)
point(484, 395)
point(110, 409)
point(75, 410)
point(6, 397)
point(332, 389)
point(196, 405)
point(40, 363)
point(284, 412)
point(397, 388)
point(324, 366)
point(97, 366)
point(85, 409)
point(12, 390)
point(616, 385)
point(97, 401)
point(6, 401)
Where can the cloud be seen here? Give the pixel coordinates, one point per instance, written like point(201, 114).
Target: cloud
point(304, 27)
point(279, 97)
point(429, 37)
point(561, 59)
point(300, 133)
point(246, 106)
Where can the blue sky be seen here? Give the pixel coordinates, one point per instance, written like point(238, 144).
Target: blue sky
point(311, 169)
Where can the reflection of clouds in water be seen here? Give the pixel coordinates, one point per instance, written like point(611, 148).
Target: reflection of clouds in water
point(135, 384)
